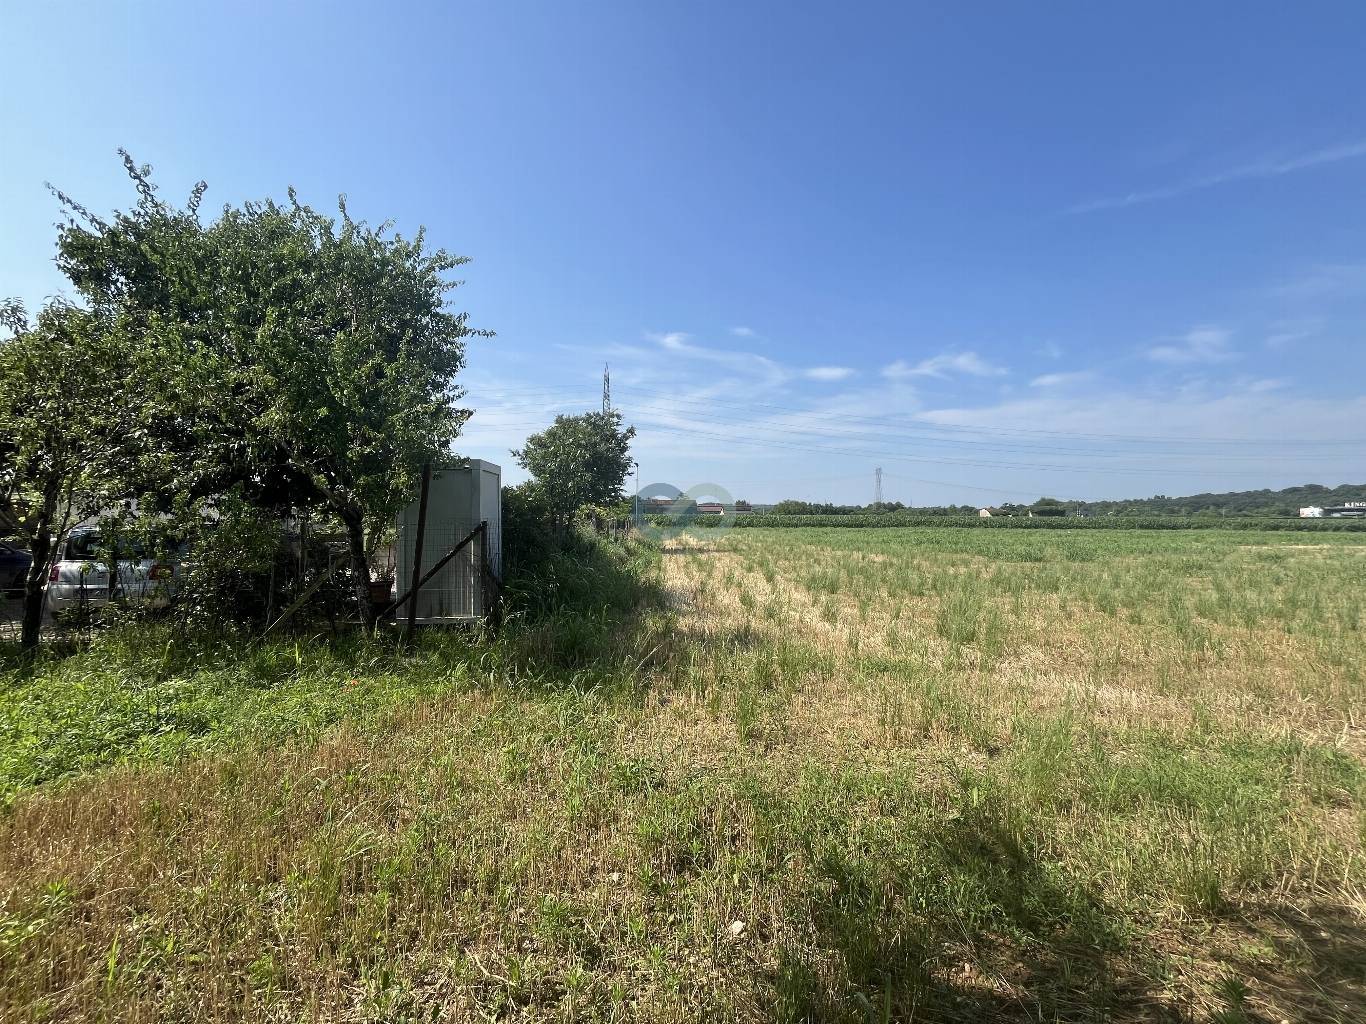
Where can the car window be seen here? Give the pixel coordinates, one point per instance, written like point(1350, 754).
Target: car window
point(82, 547)
point(86, 547)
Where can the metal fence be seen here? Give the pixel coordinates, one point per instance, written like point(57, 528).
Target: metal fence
point(458, 572)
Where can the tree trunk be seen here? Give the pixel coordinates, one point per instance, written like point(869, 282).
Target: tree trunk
point(34, 594)
point(360, 567)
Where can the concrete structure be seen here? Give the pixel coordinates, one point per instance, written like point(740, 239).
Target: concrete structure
point(1311, 512)
point(461, 497)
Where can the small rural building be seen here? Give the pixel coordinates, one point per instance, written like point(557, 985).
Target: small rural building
point(1311, 512)
point(985, 513)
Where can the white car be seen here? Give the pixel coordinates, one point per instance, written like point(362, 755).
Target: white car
point(79, 581)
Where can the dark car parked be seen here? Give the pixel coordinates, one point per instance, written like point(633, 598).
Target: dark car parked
point(14, 564)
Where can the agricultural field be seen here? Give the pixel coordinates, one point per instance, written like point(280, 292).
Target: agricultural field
point(902, 774)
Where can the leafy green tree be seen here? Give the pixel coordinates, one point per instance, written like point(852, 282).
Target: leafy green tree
point(578, 461)
point(67, 440)
point(797, 507)
point(1048, 507)
point(299, 359)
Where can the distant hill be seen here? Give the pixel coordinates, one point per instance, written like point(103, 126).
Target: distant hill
point(1264, 502)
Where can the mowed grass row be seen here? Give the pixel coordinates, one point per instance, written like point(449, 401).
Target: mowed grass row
point(788, 775)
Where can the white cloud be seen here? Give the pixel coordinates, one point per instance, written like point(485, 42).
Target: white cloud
point(1051, 349)
point(1271, 167)
point(744, 332)
point(828, 373)
point(1053, 380)
point(1206, 344)
point(944, 365)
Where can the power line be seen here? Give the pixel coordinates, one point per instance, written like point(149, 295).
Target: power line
point(921, 428)
point(806, 447)
point(898, 420)
point(797, 439)
point(1011, 491)
point(988, 446)
point(893, 420)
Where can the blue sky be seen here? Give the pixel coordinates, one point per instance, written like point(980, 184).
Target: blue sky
point(1000, 251)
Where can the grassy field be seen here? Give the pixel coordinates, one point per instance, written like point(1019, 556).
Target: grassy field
point(848, 775)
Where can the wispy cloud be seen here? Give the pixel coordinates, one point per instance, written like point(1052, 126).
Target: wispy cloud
point(828, 373)
point(1266, 168)
point(675, 340)
point(1051, 349)
point(1223, 411)
point(1261, 386)
point(1205, 344)
point(1286, 332)
point(744, 332)
point(945, 365)
point(1326, 281)
point(610, 350)
point(686, 389)
point(1055, 380)
point(679, 343)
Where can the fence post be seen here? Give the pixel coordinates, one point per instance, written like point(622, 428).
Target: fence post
point(417, 548)
point(303, 551)
point(484, 568)
point(490, 586)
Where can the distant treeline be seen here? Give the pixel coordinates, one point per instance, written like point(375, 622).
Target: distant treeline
point(1264, 502)
point(795, 507)
point(1117, 522)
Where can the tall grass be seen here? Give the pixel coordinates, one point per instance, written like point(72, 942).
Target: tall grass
point(155, 692)
point(892, 520)
point(847, 775)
